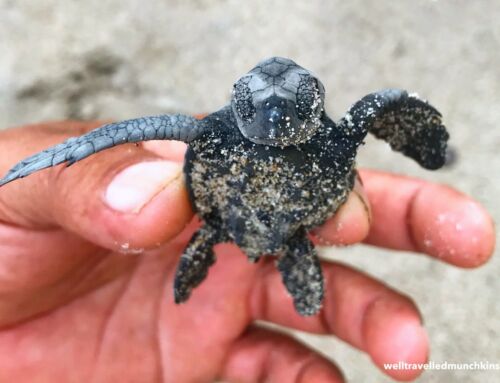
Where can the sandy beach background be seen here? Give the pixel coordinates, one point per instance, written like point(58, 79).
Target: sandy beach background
point(119, 59)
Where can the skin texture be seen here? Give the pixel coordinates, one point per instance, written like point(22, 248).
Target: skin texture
point(266, 169)
point(74, 308)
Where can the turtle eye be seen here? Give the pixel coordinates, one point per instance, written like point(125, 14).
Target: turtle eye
point(242, 97)
point(309, 98)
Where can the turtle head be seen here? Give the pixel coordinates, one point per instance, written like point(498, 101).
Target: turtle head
point(278, 103)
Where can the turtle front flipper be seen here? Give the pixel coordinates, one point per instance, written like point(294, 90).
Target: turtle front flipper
point(194, 263)
point(301, 272)
point(166, 127)
point(410, 125)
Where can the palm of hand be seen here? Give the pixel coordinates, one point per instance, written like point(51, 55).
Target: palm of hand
point(108, 310)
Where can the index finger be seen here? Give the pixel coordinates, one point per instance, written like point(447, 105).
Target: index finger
point(415, 215)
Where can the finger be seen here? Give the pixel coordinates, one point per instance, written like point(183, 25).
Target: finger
point(358, 309)
point(350, 224)
point(262, 355)
point(22, 269)
point(125, 197)
point(170, 150)
point(415, 215)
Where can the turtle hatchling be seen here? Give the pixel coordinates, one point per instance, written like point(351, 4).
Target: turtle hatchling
point(268, 167)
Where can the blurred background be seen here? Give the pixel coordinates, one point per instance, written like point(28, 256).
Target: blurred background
point(117, 59)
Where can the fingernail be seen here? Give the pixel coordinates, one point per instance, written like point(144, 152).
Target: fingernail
point(135, 186)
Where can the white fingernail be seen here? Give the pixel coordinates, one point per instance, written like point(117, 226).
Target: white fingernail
point(135, 186)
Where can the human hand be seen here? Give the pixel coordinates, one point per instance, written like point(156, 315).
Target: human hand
point(75, 308)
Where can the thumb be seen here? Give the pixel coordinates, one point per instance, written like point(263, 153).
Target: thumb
point(124, 198)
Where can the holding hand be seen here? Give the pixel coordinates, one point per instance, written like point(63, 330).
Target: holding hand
point(75, 308)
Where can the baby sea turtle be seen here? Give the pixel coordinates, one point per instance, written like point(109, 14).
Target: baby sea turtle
point(265, 169)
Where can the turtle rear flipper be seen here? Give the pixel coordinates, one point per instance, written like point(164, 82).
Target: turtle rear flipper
point(300, 269)
point(410, 125)
point(195, 262)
